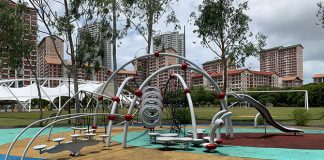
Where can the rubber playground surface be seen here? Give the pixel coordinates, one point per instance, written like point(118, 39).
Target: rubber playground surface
point(250, 143)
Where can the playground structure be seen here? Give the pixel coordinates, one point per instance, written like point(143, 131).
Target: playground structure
point(149, 104)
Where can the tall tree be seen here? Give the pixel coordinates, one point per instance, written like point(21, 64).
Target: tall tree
point(143, 14)
point(75, 13)
point(18, 40)
point(224, 29)
point(320, 13)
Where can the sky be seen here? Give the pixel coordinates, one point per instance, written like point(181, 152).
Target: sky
point(285, 22)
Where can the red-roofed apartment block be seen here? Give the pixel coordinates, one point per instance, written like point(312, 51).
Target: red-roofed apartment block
point(318, 78)
point(241, 78)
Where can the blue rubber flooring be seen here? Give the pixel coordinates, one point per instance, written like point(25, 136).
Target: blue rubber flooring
point(8, 135)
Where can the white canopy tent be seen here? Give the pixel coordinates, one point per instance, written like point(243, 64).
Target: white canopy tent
point(25, 94)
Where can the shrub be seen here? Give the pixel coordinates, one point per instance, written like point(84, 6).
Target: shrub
point(260, 120)
point(300, 117)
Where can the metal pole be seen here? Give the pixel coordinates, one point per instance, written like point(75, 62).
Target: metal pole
point(69, 110)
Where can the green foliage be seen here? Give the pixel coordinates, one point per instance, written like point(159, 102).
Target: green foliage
point(183, 115)
point(223, 23)
point(147, 13)
point(16, 39)
point(227, 26)
point(320, 13)
point(315, 95)
point(260, 120)
point(300, 117)
point(200, 95)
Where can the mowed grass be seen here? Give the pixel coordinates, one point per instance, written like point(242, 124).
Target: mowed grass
point(203, 114)
point(248, 114)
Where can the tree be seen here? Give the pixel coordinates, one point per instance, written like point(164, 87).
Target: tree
point(224, 29)
point(147, 13)
point(17, 40)
point(320, 13)
point(75, 13)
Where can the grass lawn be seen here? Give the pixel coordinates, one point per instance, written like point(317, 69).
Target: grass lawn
point(248, 114)
point(205, 114)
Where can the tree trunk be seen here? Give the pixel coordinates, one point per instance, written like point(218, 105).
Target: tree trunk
point(149, 34)
point(73, 68)
point(114, 39)
point(224, 63)
point(40, 105)
point(38, 92)
point(114, 50)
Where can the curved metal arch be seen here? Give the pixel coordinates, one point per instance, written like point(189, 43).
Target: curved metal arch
point(149, 88)
point(152, 93)
point(158, 101)
point(30, 125)
point(192, 112)
point(217, 125)
point(114, 106)
point(217, 89)
point(145, 56)
point(41, 130)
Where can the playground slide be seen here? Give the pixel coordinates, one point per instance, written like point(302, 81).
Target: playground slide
point(266, 114)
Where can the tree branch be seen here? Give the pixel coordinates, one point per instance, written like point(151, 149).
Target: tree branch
point(49, 32)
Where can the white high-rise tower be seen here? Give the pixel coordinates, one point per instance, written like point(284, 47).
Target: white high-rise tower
point(170, 40)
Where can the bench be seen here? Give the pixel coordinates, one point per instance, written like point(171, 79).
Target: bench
point(75, 136)
point(197, 142)
point(104, 137)
point(89, 135)
point(153, 137)
point(40, 148)
point(185, 141)
point(90, 131)
point(169, 135)
point(58, 140)
point(166, 140)
point(78, 129)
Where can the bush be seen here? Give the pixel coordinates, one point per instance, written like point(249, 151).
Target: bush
point(300, 117)
point(260, 120)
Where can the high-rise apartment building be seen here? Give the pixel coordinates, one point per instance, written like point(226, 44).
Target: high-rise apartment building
point(217, 66)
point(285, 61)
point(49, 65)
point(105, 43)
point(170, 40)
point(30, 20)
point(238, 79)
point(160, 62)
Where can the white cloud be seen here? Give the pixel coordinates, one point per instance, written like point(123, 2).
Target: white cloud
point(285, 22)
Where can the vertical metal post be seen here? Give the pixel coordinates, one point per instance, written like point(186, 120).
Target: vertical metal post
point(69, 110)
point(60, 95)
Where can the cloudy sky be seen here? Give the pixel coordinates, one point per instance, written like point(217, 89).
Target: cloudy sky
point(285, 22)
